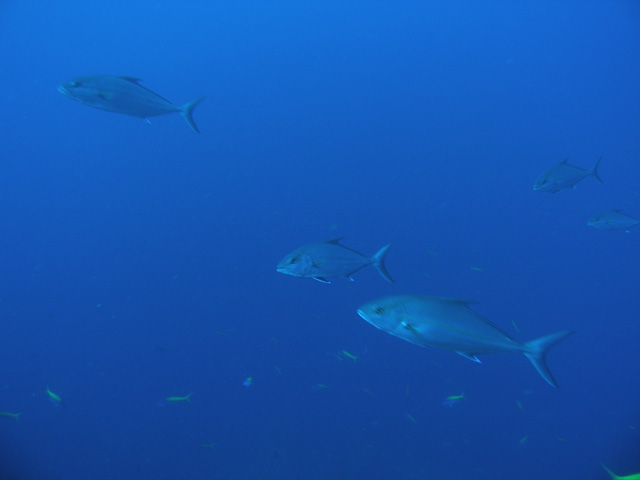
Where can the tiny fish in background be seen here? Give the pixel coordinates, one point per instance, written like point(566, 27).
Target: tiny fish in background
point(563, 176)
point(124, 95)
point(331, 259)
point(613, 220)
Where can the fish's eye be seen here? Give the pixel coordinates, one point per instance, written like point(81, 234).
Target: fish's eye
point(293, 261)
point(75, 84)
point(379, 310)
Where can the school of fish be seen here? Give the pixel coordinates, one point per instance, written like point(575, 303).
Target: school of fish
point(426, 321)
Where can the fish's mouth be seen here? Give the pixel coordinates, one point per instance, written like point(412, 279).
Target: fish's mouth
point(363, 315)
point(63, 90)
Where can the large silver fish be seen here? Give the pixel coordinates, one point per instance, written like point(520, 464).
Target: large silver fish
point(564, 175)
point(451, 324)
point(613, 220)
point(330, 259)
point(124, 95)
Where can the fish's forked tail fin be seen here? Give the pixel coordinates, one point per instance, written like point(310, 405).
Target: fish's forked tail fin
point(536, 351)
point(378, 262)
point(187, 110)
point(594, 172)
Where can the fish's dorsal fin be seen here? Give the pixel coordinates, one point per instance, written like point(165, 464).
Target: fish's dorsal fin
point(132, 80)
point(470, 356)
point(335, 241)
point(565, 162)
point(459, 301)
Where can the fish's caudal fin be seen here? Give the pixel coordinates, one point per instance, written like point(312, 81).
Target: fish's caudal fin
point(536, 351)
point(378, 262)
point(594, 172)
point(187, 110)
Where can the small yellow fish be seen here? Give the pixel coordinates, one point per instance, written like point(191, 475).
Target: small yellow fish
point(523, 439)
point(207, 445)
point(12, 415)
point(456, 397)
point(186, 398)
point(515, 326)
point(477, 269)
point(322, 386)
point(53, 396)
point(410, 417)
point(519, 403)
point(349, 355)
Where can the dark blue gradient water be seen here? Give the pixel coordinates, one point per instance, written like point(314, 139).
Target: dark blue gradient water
point(138, 259)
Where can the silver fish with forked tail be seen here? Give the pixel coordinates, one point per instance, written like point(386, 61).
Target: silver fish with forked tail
point(330, 259)
point(613, 220)
point(124, 95)
point(564, 175)
point(451, 324)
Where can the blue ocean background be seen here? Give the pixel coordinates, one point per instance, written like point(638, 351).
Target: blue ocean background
point(139, 257)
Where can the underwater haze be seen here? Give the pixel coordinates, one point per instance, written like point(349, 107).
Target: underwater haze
point(146, 333)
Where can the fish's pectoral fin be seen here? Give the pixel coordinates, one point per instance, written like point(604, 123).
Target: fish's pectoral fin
point(470, 356)
point(104, 95)
point(411, 328)
point(321, 280)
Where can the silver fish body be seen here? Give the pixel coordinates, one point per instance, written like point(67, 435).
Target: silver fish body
point(564, 176)
point(124, 95)
point(613, 220)
point(330, 259)
point(451, 324)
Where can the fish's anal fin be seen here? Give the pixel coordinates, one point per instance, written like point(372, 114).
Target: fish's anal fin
point(470, 356)
point(321, 280)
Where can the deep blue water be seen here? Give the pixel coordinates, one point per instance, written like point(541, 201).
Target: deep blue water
point(139, 258)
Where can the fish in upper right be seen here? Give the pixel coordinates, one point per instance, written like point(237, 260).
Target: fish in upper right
point(330, 259)
point(613, 220)
point(564, 175)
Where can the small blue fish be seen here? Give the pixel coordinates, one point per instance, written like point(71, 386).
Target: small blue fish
point(564, 176)
point(124, 95)
point(331, 259)
point(613, 220)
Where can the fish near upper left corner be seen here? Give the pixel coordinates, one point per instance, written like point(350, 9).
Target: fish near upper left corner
point(124, 95)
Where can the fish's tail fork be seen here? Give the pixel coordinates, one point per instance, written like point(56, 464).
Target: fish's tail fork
point(187, 111)
point(594, 172)
point(378, 262)
point(536, 351)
